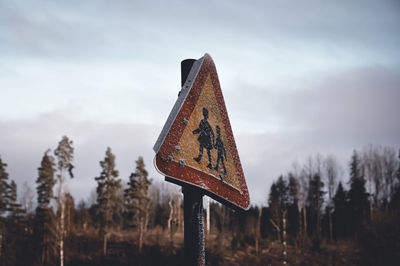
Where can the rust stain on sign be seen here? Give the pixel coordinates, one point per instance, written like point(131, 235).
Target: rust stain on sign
point(196, 145)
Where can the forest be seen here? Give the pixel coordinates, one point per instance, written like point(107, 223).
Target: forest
point(319, 212)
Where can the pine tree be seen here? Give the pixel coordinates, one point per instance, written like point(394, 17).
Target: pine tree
point(65, 155)
point(45, 235)
point(278, 203)
point(315, 200)
point(357, 196)
point(69, 212)
point(275, 209)
point(395, 202)
point(15, 209)
point(45, 222)
point(3, 187)
point(15, 224)
point(293, 205)
point(107, 186)
point(118, 207)
point(45, 181)
point(3, 202)
point(339, 213)
point(136, 199)
point(82, 215)
point(398, 169)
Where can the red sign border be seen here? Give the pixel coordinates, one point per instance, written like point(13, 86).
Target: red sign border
point(212, 186)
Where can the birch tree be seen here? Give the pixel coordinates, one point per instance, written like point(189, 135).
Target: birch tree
point(332, 171)
point(65, 155)
point(371, 166)
point(175, 205)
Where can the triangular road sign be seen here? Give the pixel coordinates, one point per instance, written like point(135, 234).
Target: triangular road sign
point(196, 145)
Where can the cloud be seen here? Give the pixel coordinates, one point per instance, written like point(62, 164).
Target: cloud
point(298, 78)
point(357, 102)
point(311, 123)
point(139, 30)
point(23, 144)
point(336, 114)
point(110, 60)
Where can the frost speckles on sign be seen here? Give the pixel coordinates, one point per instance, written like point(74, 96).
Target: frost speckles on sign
point(200, 135)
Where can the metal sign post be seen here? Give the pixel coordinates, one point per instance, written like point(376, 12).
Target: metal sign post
point(192, 207)
point(193, 226)
point(196, 150)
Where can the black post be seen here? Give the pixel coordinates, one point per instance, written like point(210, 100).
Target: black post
point(186, 66)
point(192, 207)
point(193, 226)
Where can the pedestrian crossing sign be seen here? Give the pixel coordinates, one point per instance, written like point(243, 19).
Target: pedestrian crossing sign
point(196, 146)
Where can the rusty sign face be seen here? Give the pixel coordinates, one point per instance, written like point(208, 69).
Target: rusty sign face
point(196, 145)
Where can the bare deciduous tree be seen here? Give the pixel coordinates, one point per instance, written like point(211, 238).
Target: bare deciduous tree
point(27, 197)
point(332, 172)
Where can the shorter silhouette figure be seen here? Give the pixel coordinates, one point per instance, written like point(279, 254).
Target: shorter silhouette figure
point(205, 133)
point(219, 145)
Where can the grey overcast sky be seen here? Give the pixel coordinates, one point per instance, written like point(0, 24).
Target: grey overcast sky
point(298, 77)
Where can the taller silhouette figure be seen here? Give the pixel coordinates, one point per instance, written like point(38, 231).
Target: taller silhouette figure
point(206, 138)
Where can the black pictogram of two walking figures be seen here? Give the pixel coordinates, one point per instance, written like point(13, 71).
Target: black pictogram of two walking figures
point(208, 141)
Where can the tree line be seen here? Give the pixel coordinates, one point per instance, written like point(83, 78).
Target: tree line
point(318, 202)
point(56, 215)
point(312, 203)
point(315, 202)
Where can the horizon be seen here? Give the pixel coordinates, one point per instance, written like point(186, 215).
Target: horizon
point(297, 80)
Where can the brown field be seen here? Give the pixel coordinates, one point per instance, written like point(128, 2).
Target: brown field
point(85, 248)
